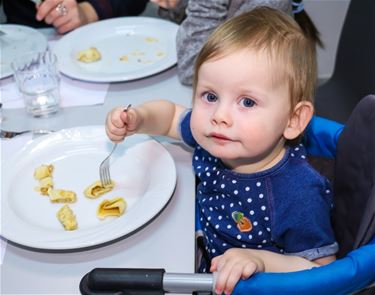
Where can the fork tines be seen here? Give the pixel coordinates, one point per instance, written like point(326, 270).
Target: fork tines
point(104, 173)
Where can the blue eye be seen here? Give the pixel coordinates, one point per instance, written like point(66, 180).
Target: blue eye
point(247, 102)
point(210, 97)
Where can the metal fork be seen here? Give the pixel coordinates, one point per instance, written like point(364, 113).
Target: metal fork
point(104, 173)
point(5, 134)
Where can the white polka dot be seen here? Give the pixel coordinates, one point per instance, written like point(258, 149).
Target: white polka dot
point(199, 174)
point(240, 203)
point(217, 226)
point(224, 244)
point(268, 229)
point(266, 218)
point(211, 209)
point(213, 251)
point(263, 208)
point(238, 237)
point(261, 196)
point(247, 188)
point(235, 192)
point(255, 223)
point(222, 185)
point(303, 156)
point(252, 212)
point(203, 200)
point(328, 191)
point(205, 169)
point(229, 226)
point(204, 183)
point(214, 182)
point(250, 237)
point(196, 158)
point(296, 149)
point(259, 246)
point(260, 233)
point(209, 218)
point(243, 246)
point(249, 200)
point(208, 174)
point(223, 206)
point(259, 184)
point(220, 217)
point(210, 199)
point(234, 181)
point(231, 205)
point(292, 154)
point(264, 241)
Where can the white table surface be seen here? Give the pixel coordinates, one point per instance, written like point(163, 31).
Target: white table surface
point(167, 242)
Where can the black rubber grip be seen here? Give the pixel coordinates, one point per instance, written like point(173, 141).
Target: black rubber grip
point(123, 281)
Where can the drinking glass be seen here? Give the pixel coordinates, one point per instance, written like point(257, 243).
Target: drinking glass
point(38, 80)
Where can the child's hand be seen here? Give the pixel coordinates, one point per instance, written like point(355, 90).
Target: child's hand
point(234, 264)
point(121, 123)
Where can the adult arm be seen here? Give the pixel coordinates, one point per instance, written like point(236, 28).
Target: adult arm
point(202, 18)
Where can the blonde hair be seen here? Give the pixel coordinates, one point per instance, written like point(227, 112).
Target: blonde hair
point(277, 34)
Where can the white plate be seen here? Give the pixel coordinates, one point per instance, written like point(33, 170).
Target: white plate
point(18, 40)
point(144, 172)
point(146, 44)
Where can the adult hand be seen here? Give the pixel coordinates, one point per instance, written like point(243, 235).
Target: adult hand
point(167, 4)
point(66, 15)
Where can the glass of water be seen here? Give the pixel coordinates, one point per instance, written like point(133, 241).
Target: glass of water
point(38, 80)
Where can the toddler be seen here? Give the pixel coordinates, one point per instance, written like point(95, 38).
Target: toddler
point(261, 205)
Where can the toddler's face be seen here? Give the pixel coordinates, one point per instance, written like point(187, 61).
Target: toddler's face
point(239, 111)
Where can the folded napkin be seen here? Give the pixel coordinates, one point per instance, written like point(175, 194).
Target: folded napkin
point(72, 92)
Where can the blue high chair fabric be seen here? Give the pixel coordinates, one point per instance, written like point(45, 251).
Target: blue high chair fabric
point(354, 215)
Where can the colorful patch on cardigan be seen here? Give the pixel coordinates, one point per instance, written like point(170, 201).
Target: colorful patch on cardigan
point(243, 223)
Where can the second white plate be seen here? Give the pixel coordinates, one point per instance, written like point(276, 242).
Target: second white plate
point(143, 170)
point(130, 48)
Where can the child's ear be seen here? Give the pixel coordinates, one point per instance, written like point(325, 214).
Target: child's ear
point(299, 119)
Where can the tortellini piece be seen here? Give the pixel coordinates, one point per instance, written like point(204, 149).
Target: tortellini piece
point(62, 196)
point(89, 55)
point(43, 171)
point(45, 184)
point(96, 189)
point(43, 174)
point(114, 207)
point(67, 218)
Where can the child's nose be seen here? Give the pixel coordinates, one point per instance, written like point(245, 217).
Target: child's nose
point(222, 115)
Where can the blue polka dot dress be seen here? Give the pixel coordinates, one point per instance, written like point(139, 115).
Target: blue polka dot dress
point(284, 209)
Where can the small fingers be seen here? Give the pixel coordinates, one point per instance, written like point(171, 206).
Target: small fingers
point(116, 125)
